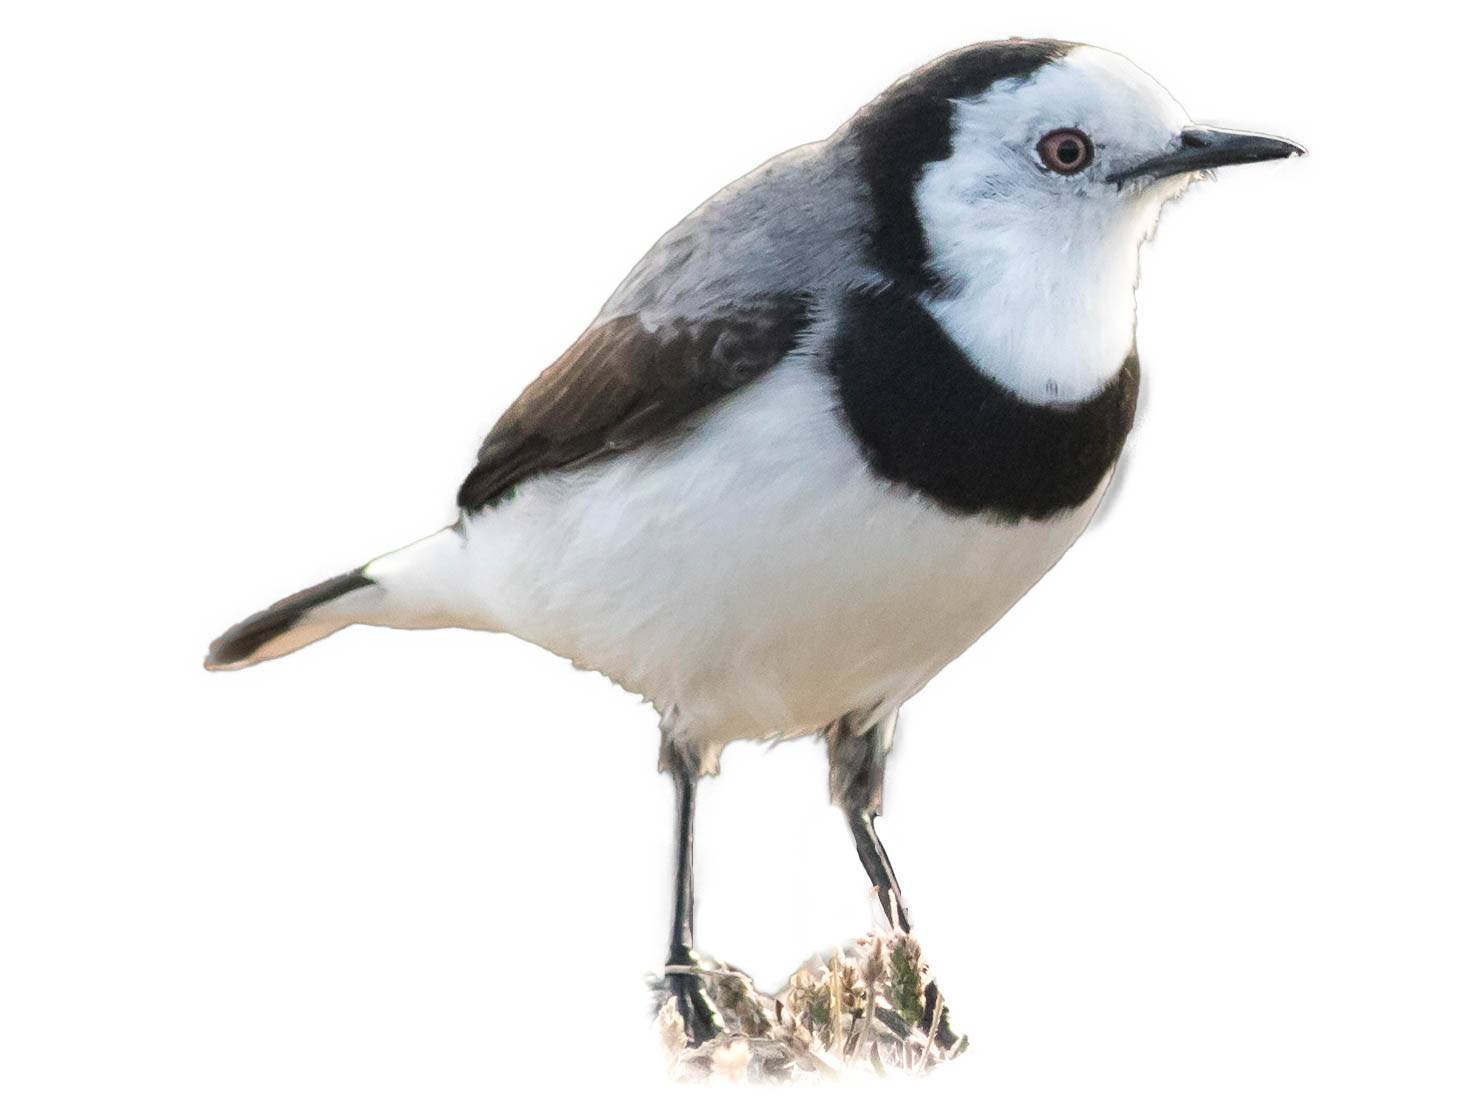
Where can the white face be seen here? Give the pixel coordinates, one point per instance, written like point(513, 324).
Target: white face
point(1040, 265)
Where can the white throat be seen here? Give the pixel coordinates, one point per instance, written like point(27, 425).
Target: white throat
point(1043, 301)
point(1039, 272)
point(1049, 321)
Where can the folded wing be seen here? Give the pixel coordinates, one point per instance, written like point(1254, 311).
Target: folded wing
point(626, 381)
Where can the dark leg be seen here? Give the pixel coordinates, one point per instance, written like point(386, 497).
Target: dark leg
point(856, 770)
point(683, 980)
point(880, 870)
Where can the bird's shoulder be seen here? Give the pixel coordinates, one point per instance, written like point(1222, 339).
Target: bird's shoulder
point(626, 381)
point(716, 302)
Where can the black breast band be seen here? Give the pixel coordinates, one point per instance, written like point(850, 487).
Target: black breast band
point(930, 420)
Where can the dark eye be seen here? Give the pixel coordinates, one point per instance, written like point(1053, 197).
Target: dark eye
point(1066, 151)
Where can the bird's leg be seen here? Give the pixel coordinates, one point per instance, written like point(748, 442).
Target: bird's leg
point(856, 773)
point(876, 863)
point(682, 979)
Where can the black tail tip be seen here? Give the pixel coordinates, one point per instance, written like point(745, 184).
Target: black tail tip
point(236, 646)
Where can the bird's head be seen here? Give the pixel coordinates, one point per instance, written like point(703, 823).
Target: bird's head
point(1024, 176)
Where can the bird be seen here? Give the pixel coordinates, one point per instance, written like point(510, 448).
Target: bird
point(827, 431)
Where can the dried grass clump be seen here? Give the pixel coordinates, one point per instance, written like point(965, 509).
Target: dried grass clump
point(862, 1008)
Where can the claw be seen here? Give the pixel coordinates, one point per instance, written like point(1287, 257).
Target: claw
point(701, 1021)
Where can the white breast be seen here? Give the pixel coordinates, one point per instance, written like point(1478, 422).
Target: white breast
point(755, 579)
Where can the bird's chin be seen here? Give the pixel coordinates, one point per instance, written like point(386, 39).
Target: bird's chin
point(1153, 194)
point(1167, 188)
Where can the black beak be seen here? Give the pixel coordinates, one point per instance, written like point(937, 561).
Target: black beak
point(1204, 149)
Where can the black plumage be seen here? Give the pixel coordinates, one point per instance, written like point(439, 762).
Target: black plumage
point(931, 420)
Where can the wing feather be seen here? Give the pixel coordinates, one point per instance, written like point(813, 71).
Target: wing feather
point(623, 383)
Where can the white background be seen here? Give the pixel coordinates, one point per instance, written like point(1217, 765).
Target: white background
point(1195, 826)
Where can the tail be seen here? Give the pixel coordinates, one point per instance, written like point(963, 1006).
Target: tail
point(421, 586)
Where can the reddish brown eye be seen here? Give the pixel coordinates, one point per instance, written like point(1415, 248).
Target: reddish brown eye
point(1066, 151)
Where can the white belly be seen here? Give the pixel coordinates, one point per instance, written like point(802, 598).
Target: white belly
point(756, 580)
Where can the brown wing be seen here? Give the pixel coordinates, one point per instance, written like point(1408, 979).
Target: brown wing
point(621, 384)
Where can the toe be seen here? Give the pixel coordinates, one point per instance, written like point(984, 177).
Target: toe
point(700, 1020)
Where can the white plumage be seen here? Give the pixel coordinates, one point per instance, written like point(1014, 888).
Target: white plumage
point(753, 575)
point(747, 571)
point(1044, 278)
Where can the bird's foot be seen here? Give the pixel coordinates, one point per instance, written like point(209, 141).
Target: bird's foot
point(683, 984)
